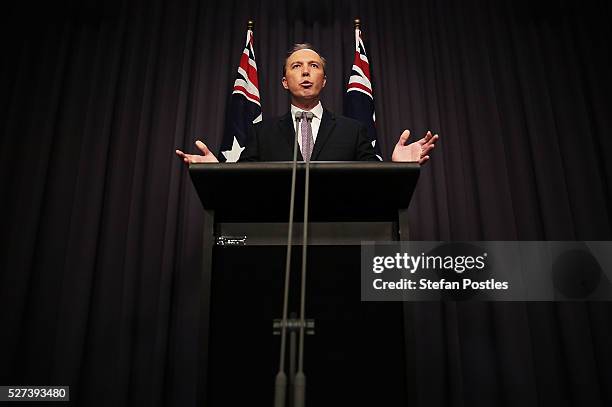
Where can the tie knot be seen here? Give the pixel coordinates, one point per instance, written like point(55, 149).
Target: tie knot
point(307, 115)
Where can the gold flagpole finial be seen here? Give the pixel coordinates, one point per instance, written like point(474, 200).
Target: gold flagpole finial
point(250, 25)
point(357, 24)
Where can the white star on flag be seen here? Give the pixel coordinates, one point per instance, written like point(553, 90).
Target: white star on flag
point(374, 146)
point(231, 156)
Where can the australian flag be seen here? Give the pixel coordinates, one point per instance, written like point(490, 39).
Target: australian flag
point(244, 108)
point(359, 101)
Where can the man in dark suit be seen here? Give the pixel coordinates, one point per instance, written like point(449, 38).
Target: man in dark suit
point(322, 135)
point(338, 139)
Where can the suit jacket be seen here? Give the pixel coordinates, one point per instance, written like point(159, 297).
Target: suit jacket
point(339, 139)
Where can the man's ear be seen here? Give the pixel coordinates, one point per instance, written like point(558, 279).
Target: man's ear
point(324, 81)
point(284, 82)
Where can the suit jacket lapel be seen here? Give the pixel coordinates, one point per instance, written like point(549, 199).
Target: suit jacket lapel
point(288, 131)
point(327, 124)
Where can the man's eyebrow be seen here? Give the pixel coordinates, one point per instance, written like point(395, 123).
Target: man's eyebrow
point(307, 62)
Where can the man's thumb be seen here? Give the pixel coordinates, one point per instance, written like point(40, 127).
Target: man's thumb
point(404, 137)
point(202, 147)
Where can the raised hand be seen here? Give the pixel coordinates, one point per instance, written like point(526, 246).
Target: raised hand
point(414, 152)
point(206, 157)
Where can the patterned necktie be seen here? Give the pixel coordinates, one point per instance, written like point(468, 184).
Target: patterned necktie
point(306, 132)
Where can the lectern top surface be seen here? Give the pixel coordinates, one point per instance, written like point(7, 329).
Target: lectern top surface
point(339, 191)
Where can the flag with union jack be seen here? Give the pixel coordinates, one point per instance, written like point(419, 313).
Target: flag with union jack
point(244, 107)
point(359, 100)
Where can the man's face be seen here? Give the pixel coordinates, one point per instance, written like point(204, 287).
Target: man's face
point(304, 77)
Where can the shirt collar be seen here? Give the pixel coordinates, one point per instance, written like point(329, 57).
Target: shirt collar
point(317, 111)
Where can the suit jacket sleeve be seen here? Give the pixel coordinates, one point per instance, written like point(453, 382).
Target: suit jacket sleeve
point(364, 151)
point(251, 150)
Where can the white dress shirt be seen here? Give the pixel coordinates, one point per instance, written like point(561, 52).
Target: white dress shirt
point(317, 111)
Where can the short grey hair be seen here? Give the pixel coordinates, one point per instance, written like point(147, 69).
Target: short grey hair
point(299, 47)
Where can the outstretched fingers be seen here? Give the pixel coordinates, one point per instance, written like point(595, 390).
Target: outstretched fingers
point(187, 158)
point(430, 139)
point(182, 155)
point(428, 144)
point(426, 139)
point(427, 148)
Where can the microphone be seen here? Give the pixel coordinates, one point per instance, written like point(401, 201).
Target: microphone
point(299, 381)
point(299, 385)
point(280, 387)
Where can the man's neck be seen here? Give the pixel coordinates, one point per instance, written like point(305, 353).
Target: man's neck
point(305, 104)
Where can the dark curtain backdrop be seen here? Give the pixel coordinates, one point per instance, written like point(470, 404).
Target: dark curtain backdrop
point(101, 229)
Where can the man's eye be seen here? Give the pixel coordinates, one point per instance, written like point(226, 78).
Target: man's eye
point(314, 65)
point(295, 66)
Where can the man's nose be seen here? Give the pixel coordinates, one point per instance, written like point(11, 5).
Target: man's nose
point(306, 71)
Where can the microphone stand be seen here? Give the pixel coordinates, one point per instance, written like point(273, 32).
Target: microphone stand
point(298, 380)
point(280, 386)
point(299, 391)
